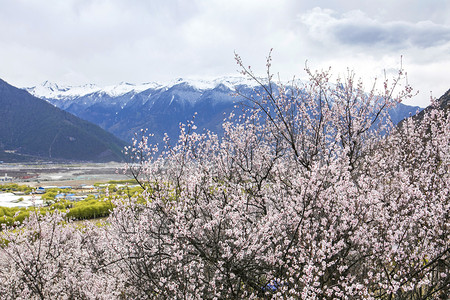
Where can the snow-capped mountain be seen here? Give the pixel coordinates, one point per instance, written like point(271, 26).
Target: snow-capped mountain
point(49, 90)
point(126, 108)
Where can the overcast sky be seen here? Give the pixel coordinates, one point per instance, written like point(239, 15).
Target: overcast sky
point(109, 41)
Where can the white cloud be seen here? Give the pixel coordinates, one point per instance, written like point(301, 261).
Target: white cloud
point(357, 29)
point(369, 46)
point(109, 41)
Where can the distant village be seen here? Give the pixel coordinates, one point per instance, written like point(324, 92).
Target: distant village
point(42, 184)
point(70, 193)
point(25, 177)
point(6, 178)
point(59, 192)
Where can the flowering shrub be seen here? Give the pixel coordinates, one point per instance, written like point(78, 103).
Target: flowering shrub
point(309, 194)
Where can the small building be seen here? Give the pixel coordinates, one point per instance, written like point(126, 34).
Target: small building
point(88, 187)
point(68, 187)
point(40, 190)
point(73, 197)
point(6, 178)
point(60, 196)
point(50, 187)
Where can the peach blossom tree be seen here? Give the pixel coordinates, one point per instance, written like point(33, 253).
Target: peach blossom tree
point(310, 193)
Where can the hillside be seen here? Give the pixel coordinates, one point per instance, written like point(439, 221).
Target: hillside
point(31, 128)
point(443, 103)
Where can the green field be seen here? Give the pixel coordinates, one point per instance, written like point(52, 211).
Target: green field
point(96, 203)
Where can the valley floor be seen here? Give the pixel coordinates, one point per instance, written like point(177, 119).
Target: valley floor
point(53, 175)
point(69, 174)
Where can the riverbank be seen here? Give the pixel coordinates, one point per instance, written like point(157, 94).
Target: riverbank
point(45, 174)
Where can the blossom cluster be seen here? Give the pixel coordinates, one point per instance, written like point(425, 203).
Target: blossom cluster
point(309, 194)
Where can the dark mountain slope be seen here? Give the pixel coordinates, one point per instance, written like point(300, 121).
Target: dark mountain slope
point(443, 103)
point(31, 126)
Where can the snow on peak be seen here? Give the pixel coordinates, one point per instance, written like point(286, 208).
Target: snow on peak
point(50, 85)
point(49, 90)
point(125, 88)
point(204, 84)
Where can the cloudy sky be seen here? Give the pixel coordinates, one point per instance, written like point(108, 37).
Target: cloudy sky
point(109, 41)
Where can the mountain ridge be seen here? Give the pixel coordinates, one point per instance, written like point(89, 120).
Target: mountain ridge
point(162, 107)
point(50, 90)
point(32, 128)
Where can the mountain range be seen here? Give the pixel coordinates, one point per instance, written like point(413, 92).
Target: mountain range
point(33, 129)
point(91, 123)
point(126, 108)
